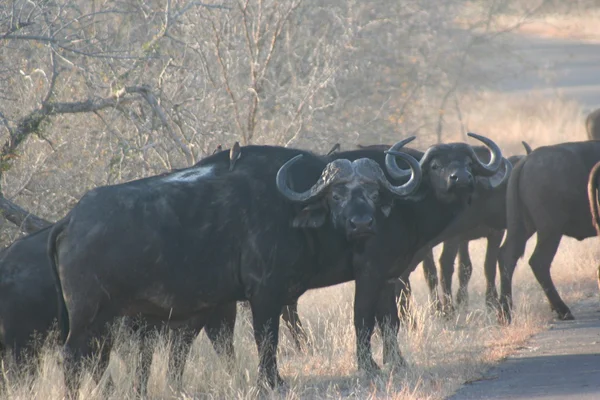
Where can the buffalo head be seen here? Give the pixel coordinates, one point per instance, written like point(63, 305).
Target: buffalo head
point(451, 169)
point(351, 192)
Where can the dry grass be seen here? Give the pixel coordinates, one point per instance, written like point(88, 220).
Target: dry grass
point(441, 354)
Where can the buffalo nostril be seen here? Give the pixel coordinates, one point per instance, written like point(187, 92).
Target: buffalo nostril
point(361, 222)
point(454, 177)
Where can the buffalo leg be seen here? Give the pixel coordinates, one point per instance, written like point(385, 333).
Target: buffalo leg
point(83, 342)
point(402, 292)
point(366, 298)
point(540, 262)
point(491, 261)
point(219, 329)
point(291, 318)
point(430, 273)
point(388, 321)
point(465, 270)
point(447, 271)
point(511, 250)
point(265, 320)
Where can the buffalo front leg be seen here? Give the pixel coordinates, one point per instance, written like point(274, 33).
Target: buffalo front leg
point(540, 262)
point(465, 270)
point(265, 320)
point(430, 273)
point(290, 316)
point(447, 271)
point(366, 297)
point(389, 324)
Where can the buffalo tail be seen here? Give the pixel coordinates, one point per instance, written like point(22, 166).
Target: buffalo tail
point(63, 314)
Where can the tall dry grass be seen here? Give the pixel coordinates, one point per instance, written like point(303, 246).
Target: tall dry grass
point(441, 354)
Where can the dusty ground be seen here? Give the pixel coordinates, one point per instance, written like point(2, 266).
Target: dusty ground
point(560, 363)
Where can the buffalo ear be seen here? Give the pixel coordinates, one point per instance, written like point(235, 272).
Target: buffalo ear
point(311, 216)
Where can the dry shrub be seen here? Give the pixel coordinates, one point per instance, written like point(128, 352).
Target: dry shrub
point(510, 118)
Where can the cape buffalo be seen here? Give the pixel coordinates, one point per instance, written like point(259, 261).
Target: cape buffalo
point(592, 125)
point(27, 294)
point(547, 194)
point(176, 246)
point(28, 304)
point(413, 226)
point(488, 221)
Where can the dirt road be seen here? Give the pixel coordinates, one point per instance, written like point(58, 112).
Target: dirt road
point(557, 66)
point(564, 361)
point(560, 363)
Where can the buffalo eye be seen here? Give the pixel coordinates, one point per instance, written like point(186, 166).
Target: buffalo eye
point(375, 196)
point(434, 166)
point(336, 197)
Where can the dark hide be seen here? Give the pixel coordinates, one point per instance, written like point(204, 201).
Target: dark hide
point(28, 302)
point(487, 217)
point(547, 195)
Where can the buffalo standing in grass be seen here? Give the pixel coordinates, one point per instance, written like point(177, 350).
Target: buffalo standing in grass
point(179, 246)
point(28, 304)
point(446, 190)
point(592, 125)
point(488, 219)
point(27, 294)
point(547, 195)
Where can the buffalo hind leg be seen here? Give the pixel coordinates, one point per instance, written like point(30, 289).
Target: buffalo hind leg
point(540, 262)
point(510, 252)
point(388, 321)
point(430, 273)
point(265, 321)
point(290, 316)
point(84, 343)
point(465, 270)
point(220, 329)
point(491, 261)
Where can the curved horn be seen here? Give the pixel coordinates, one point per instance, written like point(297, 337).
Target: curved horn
point(284, 189)
point(390, 160)
point(528, 148)
point(498, 180)
point(413, 183)
point(495, 163)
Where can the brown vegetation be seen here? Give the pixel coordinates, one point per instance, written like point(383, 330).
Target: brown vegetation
point(95, 93)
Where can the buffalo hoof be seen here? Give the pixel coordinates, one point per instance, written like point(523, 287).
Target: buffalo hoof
point(272, 383)
point(462, 299)
point(504, 318)
point(567, 316)
point(369, 366)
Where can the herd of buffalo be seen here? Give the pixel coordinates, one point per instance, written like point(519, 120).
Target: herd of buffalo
point(264, 224)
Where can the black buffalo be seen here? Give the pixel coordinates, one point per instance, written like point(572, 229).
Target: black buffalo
point(486, 219)
point(179, 246)
point(547, 195)
point(592, 125)
point(415, 225)
point(27, 294)
point(28, 305)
